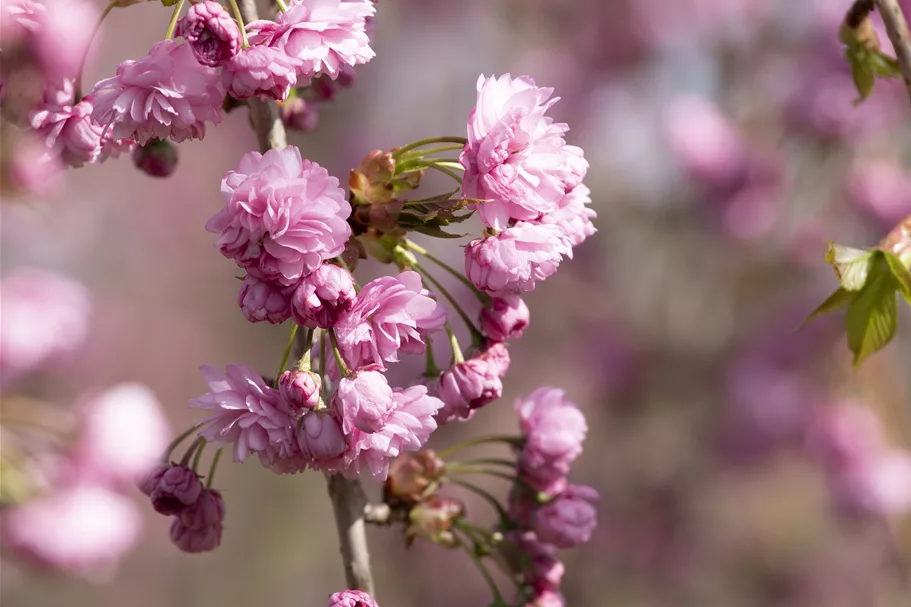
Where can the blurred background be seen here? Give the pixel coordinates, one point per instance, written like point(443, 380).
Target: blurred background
point(725, 152)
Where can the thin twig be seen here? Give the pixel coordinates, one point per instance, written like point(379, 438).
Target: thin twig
point(897, 29)
point(264, 116)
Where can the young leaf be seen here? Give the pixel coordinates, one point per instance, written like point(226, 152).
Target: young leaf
point(836, 301)
point(901, 274)
point(851, 265)
point(863, 74)
point(872, 317)
point(884, 66)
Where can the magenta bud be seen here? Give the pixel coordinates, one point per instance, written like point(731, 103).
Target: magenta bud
point(208, 510)
point(323, 296)
point(300, 114)
point(148, 483)
point(195, 540)
point(300, 389)
point(157, 158)
point(177, 488)
point(504, 318)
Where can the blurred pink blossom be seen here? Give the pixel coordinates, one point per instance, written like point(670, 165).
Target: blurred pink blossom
point(351, 598)
point(554, 430)
point(882, 189)
point(569, 519)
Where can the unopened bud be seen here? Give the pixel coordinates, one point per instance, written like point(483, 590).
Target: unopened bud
point(412, 475)
point(157, 158)
point(300, 389)
point(300, 114)
point(432, 520)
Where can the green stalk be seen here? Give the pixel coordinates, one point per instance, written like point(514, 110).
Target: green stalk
point(480, 440)
point(476, 338)
point(422, 142)
point(286, 353)
point(457, 355)
point(343, 369)
point(240, 21)
point(479, 563)
point(488, 497)
point(483, 297)
point(198, 456)
point(177, 441)
point(212, 468)
point(175, 16)
point(78, 79)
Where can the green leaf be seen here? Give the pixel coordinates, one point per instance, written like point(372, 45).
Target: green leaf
point(901, 274)
point(169, 2)
point(884, 66)
point(436, 232)
point(836, 301)
point(851, 265)
point(863, 73)
point(872, 317)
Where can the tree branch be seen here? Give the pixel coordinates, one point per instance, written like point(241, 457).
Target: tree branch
point(897, 29)
point(348, 499)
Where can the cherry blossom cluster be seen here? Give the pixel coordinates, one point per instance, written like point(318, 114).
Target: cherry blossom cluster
point(68, 473)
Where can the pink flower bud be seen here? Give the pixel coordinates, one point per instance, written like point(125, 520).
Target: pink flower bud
point(554, 429)
point(208, 510)
point(300, 389)
point(505, 318)
point(212, 33)
point(323, 296)
point(176, 489)
point(157, 158)
point(351, 598)
point(568, 520)
point(411, 474)
point(195, 540)
point(364, 401)
point(432, 520)
point(473, 383)
point(300, 114)
point(320, 436)
point(149, 482)
point(516, 258)
point(264, 301)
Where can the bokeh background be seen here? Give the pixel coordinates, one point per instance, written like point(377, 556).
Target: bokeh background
point(725, 151)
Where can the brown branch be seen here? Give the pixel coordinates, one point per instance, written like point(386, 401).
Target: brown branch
point(897, 28)
point(348, 498)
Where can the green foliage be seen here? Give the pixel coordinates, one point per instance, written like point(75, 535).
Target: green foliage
point(870, 281)
point(867, 66)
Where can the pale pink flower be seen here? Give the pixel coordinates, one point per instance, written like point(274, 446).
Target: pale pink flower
point(167, 94)
point(351, 598)
point(44, 318)
point(264, 301)
point(68, 130)
point(389, 315)
point(573, 216)
point(300, 389)
point(211, 32)
point(80, 530)
point(881, 485)
point(260, 71)
point(323, 296)
point(407, 429)
point(471, 384)
point(108, 447)
point(363, 400)
point(881, 188)
point(195, 540)
point(208, 510)
point(516, 158)
point(515, 259)
point(320, 438)
point(283, 216)
point(554, 430)
point(323, 35)
point(31, 170)
point(569, 519)
point(173, 490)
point(504, 318)
point(245, 411)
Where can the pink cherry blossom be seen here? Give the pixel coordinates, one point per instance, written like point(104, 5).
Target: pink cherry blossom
point(31, 170)
point(211, 32)
point(573, 216)
point(569, 519)
point(195, 540)
point(45, 317)
point(537, 561)
point(300, 389)
point(321, 439)
point(407, 429)
point(80, 530)
point(391, 314)
point(363, 400)
point(514, 260)
point(516, 159)
point(108, 447)
point(351, 598)
point(208, 510)
point(882, 189)
point(173, 490)
point(264, 301)
point(68, 130)
point(322, 35)
point(245, 411)
point(167, 94)
point(323, 296)
point(554, 430)
point(471, 384)
point(283, 216)
point(504, 318)
point(260, 71)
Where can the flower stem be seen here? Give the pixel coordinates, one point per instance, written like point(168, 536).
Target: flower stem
point(322, 359)
point(442, 169)
point(198, 456)
point(431, 369)
point(177, 441)
point(212, 468)
point(422, 142)
point(343, 369)
point(281, 6)
point(195, 445)
point(488, 497)
point(457, 355)
point(494, 461)
point(476, 338)
point(78, 79)
point(478, 470)
point(479, 563)
point(443, 148)
point(480, 440)
point(286, 354)
point(484, 298)
point(304, 363)
point(240, 22)
point(175, 16)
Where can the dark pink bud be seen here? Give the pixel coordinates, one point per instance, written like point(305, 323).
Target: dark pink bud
point(212, 33)
point(208, 510)
point(177, 488)
point(323, 296)
point(157, 158)
point(505, 318)
point(300, 114)
point(148, 483)
point(195, 540)
point(568, 520)
point(264, 301)
point(300, 389)
point(351, 598)
point(473, 383)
